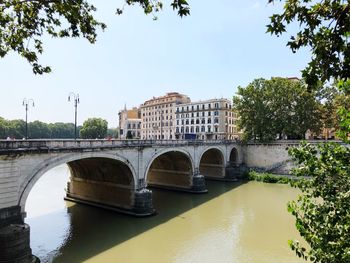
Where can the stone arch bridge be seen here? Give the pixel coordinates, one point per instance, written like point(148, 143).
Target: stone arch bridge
point(116, 174)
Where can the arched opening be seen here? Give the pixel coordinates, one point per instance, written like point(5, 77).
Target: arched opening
point(171, 170)
point(101, 181)
point(212, 164)
point(234, 157)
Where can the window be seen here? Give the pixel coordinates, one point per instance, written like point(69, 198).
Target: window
point(197, 128)
point(192, 121)
point(209, 128)
point(209, 120)
point(203, 121)
point(209, 113)
point(216, 120)
point(202, 128)
point(187, 122)
point(209, 106)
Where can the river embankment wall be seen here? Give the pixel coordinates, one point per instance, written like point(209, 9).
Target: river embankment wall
point(270, 157)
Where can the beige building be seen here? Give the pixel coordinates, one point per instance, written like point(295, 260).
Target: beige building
point(130, 121)
point(207, 120)
point(158, 116)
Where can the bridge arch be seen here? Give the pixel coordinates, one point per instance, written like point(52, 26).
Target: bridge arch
point(72, 160)
point(234, 158)
point(212, 163)
point(173, 168)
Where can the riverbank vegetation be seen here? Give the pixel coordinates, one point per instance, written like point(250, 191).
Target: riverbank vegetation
point(269, 178)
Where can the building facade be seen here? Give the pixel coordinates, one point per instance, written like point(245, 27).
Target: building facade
point(207, 120)
point(130, 123)
point(158, 116)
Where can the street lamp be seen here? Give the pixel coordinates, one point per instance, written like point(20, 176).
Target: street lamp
point(25, 103)
point(76, 101)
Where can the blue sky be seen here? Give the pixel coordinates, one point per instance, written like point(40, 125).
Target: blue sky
point(206, 55)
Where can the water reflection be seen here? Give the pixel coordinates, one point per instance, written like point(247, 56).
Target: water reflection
point(234, 222)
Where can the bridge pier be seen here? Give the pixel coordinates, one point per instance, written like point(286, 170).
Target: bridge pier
point(234, 172)
point(14, 237)
point(198, 183)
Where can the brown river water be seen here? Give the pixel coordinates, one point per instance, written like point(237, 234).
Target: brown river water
point(234, 222)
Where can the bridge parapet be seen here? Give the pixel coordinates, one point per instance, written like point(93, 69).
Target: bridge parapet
point(7, 146)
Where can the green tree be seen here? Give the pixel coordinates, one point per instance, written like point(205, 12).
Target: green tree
point(276, 108)
point(24, 22)
point(112, 132)
point(323, 26)
point(322, 211)
point(3, 128)
point(38, 130)
point(17, 128)
point(94, 128)
point(61, 130)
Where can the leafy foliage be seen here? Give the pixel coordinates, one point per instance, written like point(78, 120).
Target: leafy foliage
point(94, 128)
point(24, 22)
point(322, 212)
point(323, 26)
point(154, 6)
point(268, 178)
point(277, 108)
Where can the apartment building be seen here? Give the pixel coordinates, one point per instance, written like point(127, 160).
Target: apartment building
point(158, 115)
point(130, 122)
point(207, 120)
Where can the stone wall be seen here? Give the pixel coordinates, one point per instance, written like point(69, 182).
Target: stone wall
point(268, 157)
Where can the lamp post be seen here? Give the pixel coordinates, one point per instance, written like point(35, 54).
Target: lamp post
point(25, 103)
point(76, 101)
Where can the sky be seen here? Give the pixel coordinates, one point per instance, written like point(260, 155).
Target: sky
point(206, 55)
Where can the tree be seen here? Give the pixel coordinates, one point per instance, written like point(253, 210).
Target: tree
point(323, 26)
point(322, 211)
point(112, 132)
point(38, 130)
point(61, 130)
point(276, 108)
point(24, 22)
point(94, 128)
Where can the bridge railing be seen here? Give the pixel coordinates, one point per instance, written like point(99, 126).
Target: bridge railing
point(105, 143)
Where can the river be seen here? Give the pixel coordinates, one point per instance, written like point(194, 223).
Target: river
point(233, 223)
